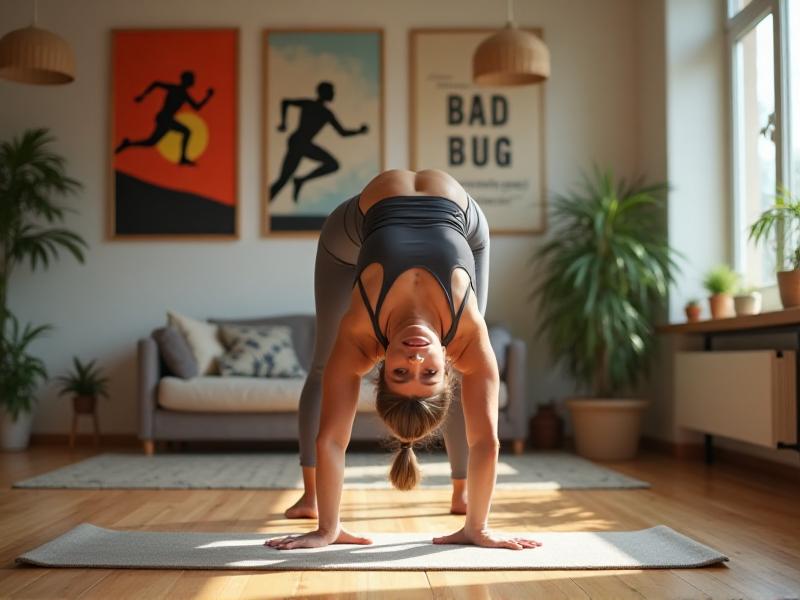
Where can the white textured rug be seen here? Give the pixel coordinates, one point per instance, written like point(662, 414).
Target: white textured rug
point(540, 470)
point(89, 546)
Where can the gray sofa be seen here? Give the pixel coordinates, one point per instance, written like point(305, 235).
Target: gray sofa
point(158, 423)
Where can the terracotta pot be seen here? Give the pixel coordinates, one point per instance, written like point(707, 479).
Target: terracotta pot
point(721, 306)
point(693, 312)
point(789, 286)
point(747, 304)
point(84, 404)
point(546, 428)
point(606, 428)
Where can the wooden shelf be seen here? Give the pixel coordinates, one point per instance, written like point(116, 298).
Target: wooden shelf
point(767, 320)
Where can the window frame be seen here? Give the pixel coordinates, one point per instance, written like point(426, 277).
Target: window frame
point(738, 26)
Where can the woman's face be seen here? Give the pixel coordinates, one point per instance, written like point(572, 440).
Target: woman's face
point(415, 361)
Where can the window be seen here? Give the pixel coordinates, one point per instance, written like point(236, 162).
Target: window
point(763, 156)
point(793, 112)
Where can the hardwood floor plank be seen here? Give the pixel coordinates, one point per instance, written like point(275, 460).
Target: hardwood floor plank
point(62, 583)
point(510, 585)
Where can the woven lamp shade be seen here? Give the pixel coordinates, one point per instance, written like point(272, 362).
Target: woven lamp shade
point(510, 57)
point(33, 55)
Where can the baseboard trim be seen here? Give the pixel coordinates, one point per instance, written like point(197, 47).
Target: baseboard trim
point(676, 450)
point(687, 451)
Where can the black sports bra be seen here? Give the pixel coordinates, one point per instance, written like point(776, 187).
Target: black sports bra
point(402, 232)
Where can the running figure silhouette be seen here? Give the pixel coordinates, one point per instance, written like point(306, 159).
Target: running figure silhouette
point(314, 115)
point(177, 96)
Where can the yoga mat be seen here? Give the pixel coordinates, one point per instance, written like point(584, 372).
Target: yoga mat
point(90, 546)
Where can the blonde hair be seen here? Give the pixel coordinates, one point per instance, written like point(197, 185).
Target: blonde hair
point(411, 419)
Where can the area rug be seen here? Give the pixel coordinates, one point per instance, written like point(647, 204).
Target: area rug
point(535, 471)
point(90, 546)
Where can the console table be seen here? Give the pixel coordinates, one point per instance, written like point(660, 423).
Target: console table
point(779, 322)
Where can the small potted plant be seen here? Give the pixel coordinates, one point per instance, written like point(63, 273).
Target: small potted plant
point(693, 310)
point(85, 384)
point(721, 282)
point(781, 223)
point(747, 301)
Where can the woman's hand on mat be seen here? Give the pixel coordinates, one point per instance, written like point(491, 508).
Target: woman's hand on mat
point(316, 539)
point(487, 539)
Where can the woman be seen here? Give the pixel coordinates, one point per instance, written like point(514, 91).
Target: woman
point(394, 273)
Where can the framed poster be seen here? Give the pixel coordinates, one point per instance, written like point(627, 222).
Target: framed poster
point(173, 146)
point(491, 139)
point(323, 123)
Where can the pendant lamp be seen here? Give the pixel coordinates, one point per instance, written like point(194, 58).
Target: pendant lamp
point(511, 57)
point(34, 55)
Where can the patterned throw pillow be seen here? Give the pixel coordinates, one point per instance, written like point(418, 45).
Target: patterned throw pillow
point(202, 339)
point(263, 351)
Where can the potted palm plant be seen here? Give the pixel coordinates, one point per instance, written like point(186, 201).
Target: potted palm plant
point(721, 282)
point(781, 223)
point(606, 270)
point(31, 175)
point(85, 384)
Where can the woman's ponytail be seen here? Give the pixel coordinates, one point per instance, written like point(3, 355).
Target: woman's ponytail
point(405, 473)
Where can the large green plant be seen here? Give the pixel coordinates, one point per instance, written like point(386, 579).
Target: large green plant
point(604, 272)
point(31, 175)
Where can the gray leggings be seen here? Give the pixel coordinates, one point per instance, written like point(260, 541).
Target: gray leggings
point(334, 273)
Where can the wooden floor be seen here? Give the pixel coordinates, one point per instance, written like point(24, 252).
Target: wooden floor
point(752, 518)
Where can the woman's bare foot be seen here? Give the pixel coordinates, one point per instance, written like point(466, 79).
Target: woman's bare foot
point(305, 508)
point(458, 504)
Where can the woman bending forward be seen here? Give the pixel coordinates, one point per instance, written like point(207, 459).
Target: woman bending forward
point(401, 280)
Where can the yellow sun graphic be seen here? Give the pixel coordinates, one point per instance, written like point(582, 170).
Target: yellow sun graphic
point(170, 145)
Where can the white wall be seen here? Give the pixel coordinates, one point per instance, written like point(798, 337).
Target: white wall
point(122, 292)
point(697, 143)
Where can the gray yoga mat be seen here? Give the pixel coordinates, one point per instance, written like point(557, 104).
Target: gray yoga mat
point(90, 546)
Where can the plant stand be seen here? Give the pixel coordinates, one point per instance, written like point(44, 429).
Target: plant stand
point(84, 405)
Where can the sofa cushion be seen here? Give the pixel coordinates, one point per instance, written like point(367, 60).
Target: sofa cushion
point(202, 338)
point(302, 326)
point(263, 351)
point(250, 394)
point(242, 394)
point(177, 355)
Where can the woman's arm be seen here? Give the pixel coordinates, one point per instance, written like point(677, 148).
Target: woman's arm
point(341, 384)
point(480, 387)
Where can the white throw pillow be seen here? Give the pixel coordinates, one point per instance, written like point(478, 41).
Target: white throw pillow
point(259, 351)
point(203, 339)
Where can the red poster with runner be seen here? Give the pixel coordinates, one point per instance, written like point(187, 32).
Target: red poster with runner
point(174, 125)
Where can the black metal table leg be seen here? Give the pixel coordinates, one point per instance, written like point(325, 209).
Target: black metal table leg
point(709, 440)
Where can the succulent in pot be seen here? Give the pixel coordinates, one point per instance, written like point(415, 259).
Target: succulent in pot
point(721, 282)
point(693, 310)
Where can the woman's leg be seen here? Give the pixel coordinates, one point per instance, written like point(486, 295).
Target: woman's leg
point(455, 434)
point(334, 272)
